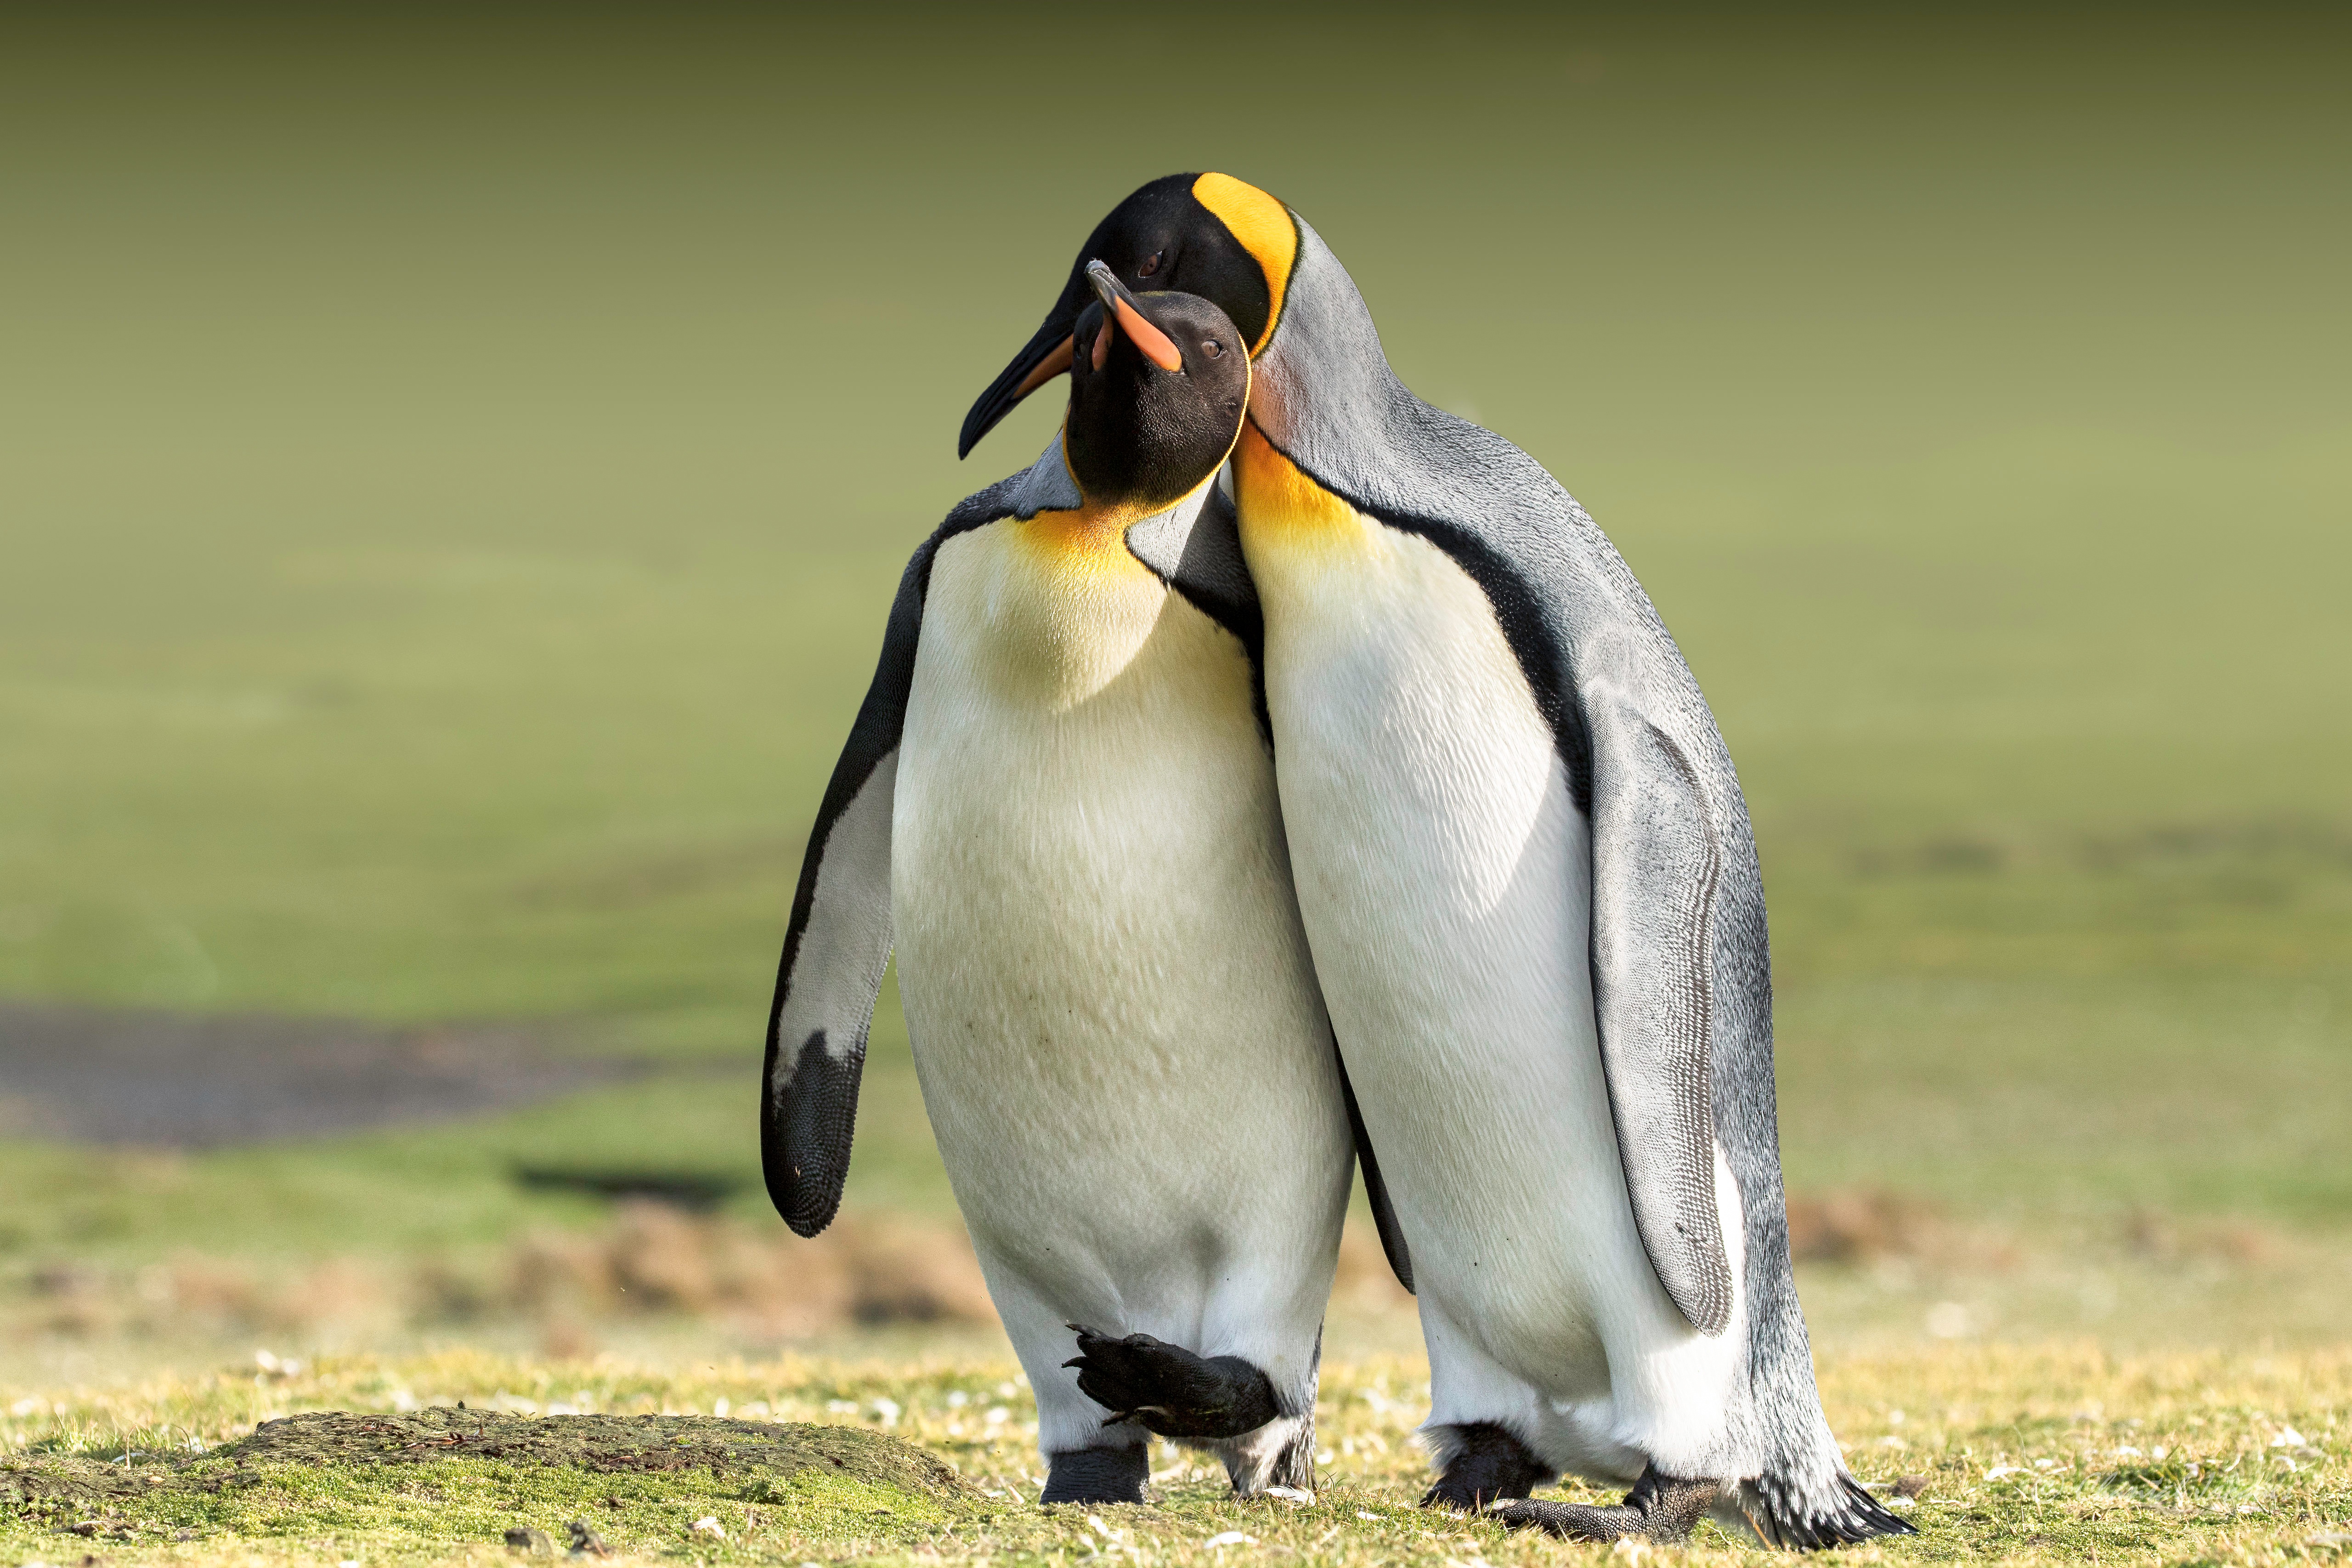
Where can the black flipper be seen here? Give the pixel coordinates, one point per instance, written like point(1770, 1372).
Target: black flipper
point(838, 944)
point(1376, 1191)
point(1167, 1389)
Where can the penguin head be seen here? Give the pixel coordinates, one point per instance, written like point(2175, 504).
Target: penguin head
point(1158, 386)
point(1207, 235)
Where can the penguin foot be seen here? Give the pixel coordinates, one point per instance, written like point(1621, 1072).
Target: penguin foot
point(1279, 1454)
point(1167, 1389)
point(1097, 1475)
point(1484, 1463)
point(1659, 1508)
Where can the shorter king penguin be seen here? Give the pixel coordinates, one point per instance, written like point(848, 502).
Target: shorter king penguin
point(1059, 799)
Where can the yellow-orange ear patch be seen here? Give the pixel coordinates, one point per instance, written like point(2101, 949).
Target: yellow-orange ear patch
point(1266, 231)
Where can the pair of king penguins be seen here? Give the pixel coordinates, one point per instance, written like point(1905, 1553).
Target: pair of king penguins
point(1369, 806)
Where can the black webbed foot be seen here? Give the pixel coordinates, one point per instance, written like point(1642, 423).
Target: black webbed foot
point(1486, 1464)
point(1168, 1390)
point(1658, 1509)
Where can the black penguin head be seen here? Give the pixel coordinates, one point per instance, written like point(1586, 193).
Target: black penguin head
point(1208, 234)
point(1158, 386)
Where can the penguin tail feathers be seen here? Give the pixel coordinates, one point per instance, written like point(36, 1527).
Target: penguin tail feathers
point(1809, 1521)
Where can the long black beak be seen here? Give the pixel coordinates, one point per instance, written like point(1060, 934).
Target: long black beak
point(1045, 356)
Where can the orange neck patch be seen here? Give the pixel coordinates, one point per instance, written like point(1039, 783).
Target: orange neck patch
point(1273, 492)
point(1266, 231)
point(1090, 530)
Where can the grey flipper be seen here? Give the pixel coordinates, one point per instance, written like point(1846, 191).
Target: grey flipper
point(838, 942)
point(1657, 864)
point(1196, 549)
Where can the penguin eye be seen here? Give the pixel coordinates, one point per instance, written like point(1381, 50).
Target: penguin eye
point(1151, 266)
point(1214, 349)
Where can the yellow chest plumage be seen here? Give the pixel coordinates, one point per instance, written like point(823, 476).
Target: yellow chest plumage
point(1287, 508)
point(1317, 561)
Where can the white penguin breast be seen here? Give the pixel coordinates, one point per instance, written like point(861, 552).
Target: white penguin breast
point(1402, 719)
point(1044, 628)
point(1444, 873)
point(1114, 1015)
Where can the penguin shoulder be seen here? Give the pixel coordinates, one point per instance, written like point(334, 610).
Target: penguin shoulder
point(1046, 485)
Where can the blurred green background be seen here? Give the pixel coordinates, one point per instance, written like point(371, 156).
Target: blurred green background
point(454, 466)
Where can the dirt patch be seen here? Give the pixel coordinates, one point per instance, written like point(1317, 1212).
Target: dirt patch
point(607, 1444)
point(30, 1483)
point(648, 1260)
point(1858, 1224)
point(183, 1081)
point(740, 1452)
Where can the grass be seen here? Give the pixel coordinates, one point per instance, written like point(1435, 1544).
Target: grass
point(2061, 1454)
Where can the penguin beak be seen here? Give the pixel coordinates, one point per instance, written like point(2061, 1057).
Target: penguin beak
point(1049, 353)
point(1045, 356)
point(1120, 306)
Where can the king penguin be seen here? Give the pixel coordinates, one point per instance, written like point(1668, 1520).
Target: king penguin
point(1058, 800)
point(1531, 891)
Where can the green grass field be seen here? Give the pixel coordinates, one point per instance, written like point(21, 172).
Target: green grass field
point(2053, 1455)
point(456, 466)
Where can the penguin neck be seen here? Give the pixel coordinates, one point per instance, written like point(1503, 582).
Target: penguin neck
point(1105, 507)
point(1323, 393)
point(1076, 525)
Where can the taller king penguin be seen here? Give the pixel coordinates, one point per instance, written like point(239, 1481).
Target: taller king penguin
point(1528, 879)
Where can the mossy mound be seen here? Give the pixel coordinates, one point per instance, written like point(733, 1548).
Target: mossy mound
point(456, 1474)
point(605, 1443)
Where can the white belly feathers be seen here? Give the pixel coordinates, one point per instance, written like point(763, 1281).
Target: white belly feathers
point(1120, 1041)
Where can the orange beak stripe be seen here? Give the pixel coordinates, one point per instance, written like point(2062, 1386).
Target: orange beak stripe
point(1052, 365)
point(1149, 338)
